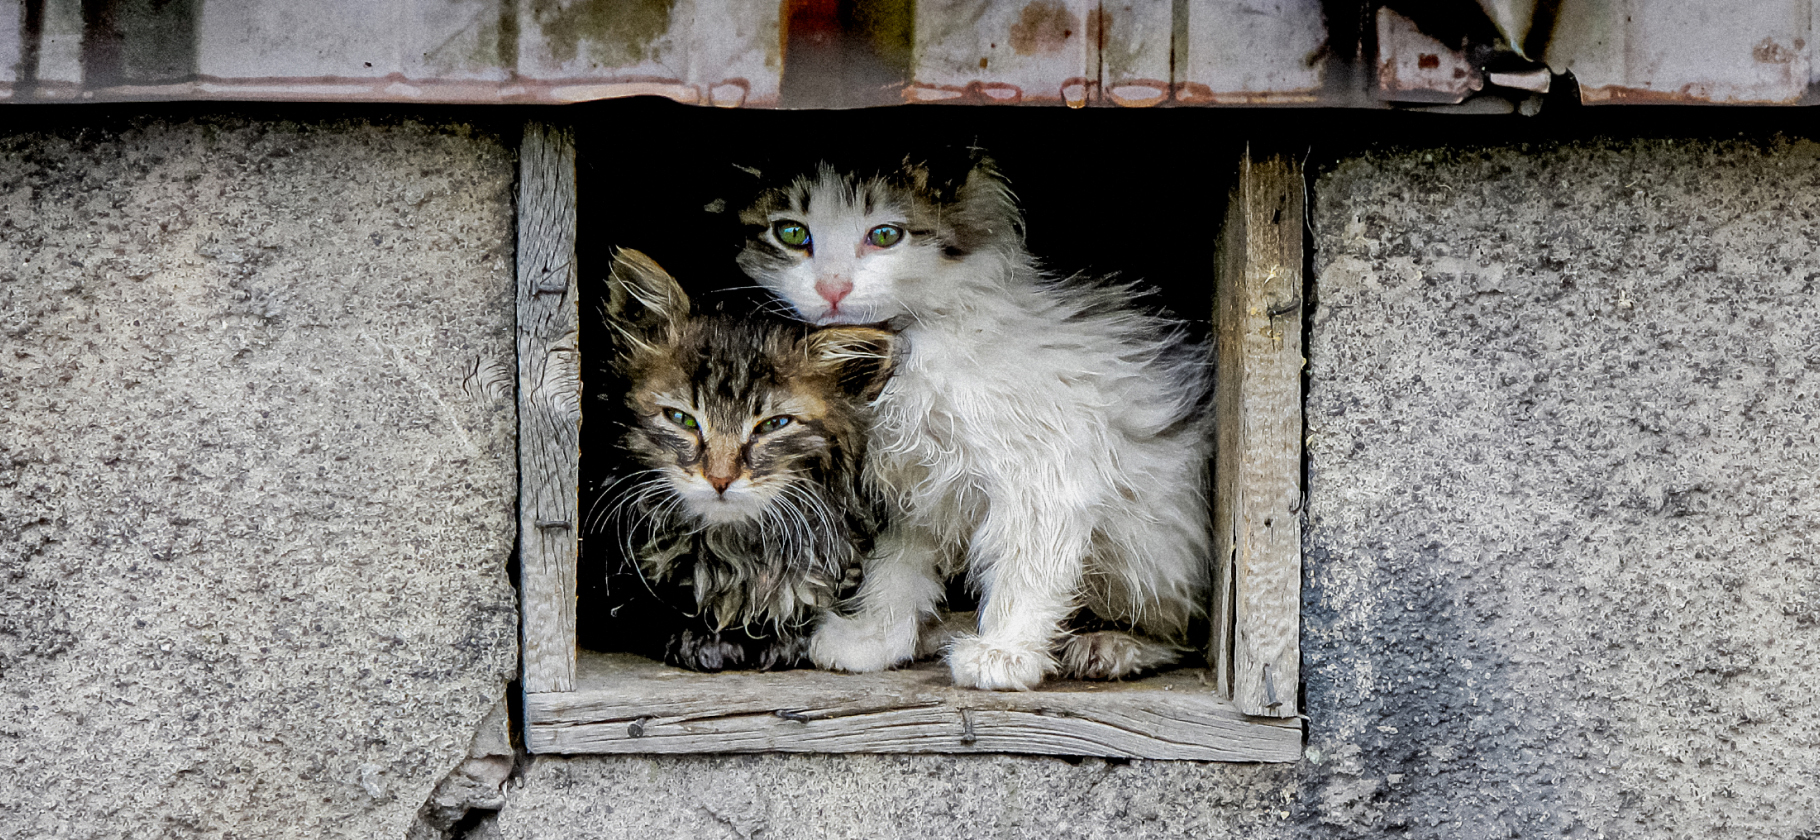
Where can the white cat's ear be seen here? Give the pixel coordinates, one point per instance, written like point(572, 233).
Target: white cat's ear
point(861, 359)
point(644, 303)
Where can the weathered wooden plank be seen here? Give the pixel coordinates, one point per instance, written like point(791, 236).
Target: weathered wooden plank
point(1258, 465)
point(549, 406)
point(625, 704)
point(1229, 267)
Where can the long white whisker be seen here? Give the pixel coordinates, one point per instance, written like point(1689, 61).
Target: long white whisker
point(597, 515)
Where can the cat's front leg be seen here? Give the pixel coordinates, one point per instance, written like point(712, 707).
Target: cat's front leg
point(899, 592)
point(1029, 560)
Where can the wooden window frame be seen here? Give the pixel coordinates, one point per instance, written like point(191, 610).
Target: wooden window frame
point(1242, 707)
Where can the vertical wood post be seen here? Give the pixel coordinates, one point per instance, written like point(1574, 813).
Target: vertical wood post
point(1256, 608)
point(549, 406)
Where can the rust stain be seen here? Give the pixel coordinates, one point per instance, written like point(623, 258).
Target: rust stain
point(1197, 93)
point(1428, 61)
point(1074, 92)
point(730, 93)
point(1043, 26)
point(973, 93)
point(1139, 93)
point(1685, 95)
point(1770, 52)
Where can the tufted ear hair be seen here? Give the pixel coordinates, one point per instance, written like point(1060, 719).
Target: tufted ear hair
point(977, 209)
point(860, 359)
point(987, 209)
point(645, 306)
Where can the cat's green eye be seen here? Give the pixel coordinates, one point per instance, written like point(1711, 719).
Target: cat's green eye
point(680, 419)
point(793, 234)
point(885, 236)
point(772, 424)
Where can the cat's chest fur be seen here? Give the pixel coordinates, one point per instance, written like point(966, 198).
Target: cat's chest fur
point(918, 440)
point(989, 395)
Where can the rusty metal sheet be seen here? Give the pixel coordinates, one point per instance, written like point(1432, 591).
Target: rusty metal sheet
point(848, 53)
point(718, 52)
point(1629, 51)
point(986, 51)
point(1136, 39)
point(10, 43)
point(1255, 52)
point(1534, 81)
point(1686, 51)
point(58, 49)
point(1413, 67)
point(794, 53)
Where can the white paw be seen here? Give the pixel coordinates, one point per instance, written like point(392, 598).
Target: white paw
point(853, 644)
point(1111, 654)
point(976, 663)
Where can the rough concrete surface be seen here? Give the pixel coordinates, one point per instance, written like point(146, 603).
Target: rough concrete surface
point(256, 471)
point(894, 798)
point(1563, 443)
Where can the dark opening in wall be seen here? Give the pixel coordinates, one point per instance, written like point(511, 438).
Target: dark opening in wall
point(1139, 195)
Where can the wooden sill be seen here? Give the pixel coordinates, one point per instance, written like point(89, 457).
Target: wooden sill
point(629, 704)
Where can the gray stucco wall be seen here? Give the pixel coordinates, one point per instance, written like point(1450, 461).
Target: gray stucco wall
point(255, 507)
point(1559, 577)
point(1563, 445)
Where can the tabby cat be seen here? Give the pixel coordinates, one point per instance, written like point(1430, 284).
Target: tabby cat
point(747, 518)
point(1043, 436)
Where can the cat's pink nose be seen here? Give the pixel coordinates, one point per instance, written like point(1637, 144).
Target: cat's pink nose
point(720, 482)
point(833, 289)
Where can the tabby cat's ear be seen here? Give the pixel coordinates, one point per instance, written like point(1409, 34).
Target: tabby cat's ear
point(644, 303)
point(861, 359)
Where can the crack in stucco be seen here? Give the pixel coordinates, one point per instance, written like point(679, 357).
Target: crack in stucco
point(476, 784)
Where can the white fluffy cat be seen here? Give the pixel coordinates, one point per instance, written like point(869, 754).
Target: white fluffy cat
point(1041, 436)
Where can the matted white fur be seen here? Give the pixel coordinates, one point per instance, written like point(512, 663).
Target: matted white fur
point(1041, 436)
